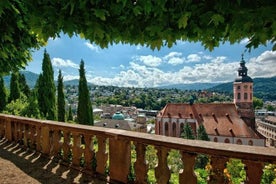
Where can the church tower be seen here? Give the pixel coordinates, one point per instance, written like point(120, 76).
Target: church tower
point(243, 95)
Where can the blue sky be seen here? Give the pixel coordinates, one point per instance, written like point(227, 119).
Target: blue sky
point(137, 66)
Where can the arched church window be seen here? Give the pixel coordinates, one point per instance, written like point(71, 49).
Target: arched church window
point(239, 142)
point(238, 87)
point(227, 140)
point(215, 139)
point(250, 143)
point(166, 129)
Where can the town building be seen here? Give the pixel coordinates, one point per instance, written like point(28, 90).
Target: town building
point(224, 122)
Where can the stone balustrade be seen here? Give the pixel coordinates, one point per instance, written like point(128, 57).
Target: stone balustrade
point(107, 153)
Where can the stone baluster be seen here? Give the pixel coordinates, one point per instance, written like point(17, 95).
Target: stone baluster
point(188, 175)
point(140, 166)
point(15, 131)
point(76, 150)
point(56, 136)
point(101, 155)
point(66, 146)
point(254, 171)
point(217, 172)
point(32, 133)
point(25, 134)
point(162, 171)
point(119, 160)
point(8, 129)
point(45, 140)
point(38, 138)
point(88, 152)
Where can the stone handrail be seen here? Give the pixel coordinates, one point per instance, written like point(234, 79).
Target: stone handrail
point(75, 144)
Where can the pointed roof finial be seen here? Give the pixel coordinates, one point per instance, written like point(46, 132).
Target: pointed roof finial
point(242, 60)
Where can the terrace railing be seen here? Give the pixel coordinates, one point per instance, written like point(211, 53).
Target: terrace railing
point(108, 153)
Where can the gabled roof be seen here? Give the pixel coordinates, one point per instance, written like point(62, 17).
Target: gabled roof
point(221, 119)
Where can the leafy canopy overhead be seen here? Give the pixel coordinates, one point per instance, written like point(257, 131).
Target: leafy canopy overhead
point(26, 23)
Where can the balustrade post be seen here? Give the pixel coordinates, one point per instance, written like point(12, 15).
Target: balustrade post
point(101, 155)
point(188, 175)
point(45, 139)
point(8, 131)
point(56, 143)
point(38, 138)
point(217, 172)
point(140, 165)
point(162, 171)
point(66, 146)
point(119, 160)
point(254, 171)
point(25, 134)
point(88, 152)
point(76, 149)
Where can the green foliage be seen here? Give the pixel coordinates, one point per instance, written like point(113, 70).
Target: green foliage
point(3, 95)
point(202, 134)
point(24, 88)
point(187, 132)
point(32, 109)
point(70, 115)
point(269, 174)
point(14, 87)
point(84, 111)
point(61, 99)
point(46, 89)
point(235, 171)
point(257, 103)
point(25, 24)
point(17, 107)
point(270, 108)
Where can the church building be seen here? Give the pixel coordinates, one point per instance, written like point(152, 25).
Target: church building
point(224, 122)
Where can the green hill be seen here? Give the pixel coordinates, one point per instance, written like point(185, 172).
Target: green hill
point(31, 79)
point(264, 88)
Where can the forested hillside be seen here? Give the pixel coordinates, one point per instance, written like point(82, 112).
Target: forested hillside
point(264, 88)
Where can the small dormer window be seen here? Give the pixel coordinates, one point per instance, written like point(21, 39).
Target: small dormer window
point(117, 126)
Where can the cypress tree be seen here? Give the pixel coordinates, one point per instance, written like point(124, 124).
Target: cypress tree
point(24, 88)
point(61, 100)
point(14, 87)
point(3, 94)
point(70, 115)
point(32, 110)
point(84, 111)
point(202, 134)
point(187, 132)
point(47, 89)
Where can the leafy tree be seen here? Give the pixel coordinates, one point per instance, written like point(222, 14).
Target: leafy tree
point(257, 103)
point(47, 89)
point(3, 94)
point(70, 114)
point(270, 108)
point(24, 88)
point(17, 106)
point(26, 24)
point(187, 132)
point(61, 99)
point(14, 87)
point(84, 111)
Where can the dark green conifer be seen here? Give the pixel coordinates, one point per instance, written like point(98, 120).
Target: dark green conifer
point(70, 114)
point(61, 100)
point(32, 110)
point(14, 87)
point(84, 111)
point(24, 88)
point(187, 132)
point(3, 94)
point(202, 134)
point(46, 89)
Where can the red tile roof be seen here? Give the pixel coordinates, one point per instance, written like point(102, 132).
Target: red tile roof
point(220, 119)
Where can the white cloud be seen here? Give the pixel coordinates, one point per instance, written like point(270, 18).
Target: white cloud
point(193, 58)
point(263, 65)
point(92, 47)
point(174, 58)
point(149, 60)
point(59, 62)
point(244, 41)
